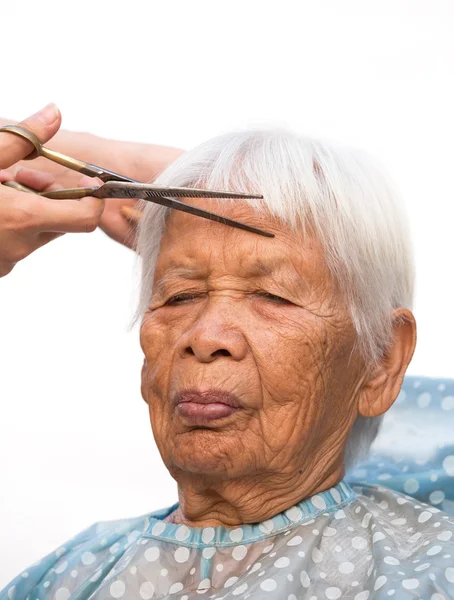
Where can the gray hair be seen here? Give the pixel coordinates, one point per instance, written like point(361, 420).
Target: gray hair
point(346, 199)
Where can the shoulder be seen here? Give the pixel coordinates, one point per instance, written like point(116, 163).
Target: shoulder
point(83, 559)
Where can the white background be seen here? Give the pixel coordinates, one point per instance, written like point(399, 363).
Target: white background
point(75, 441)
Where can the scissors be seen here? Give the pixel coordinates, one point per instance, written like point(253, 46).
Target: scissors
point(120, 186)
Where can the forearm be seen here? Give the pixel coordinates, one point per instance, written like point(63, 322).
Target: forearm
point(139, 161)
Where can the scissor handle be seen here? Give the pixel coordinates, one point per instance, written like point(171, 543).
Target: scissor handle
point(26, 135)
point(67, 161)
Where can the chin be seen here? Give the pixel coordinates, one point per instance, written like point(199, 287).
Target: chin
point(205, 452)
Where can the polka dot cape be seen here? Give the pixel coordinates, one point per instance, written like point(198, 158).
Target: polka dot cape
point(357, 540)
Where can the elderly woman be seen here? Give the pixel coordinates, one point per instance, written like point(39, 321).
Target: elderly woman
point(269, 363)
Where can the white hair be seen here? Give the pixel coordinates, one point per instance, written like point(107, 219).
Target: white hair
point(346, 199)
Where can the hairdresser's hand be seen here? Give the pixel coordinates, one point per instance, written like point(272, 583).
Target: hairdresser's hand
point(28, 221)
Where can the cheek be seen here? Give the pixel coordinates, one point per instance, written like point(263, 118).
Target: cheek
point(289, 352)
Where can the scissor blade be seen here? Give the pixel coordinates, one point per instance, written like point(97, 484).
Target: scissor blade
point(199, 212)
point(145, 191)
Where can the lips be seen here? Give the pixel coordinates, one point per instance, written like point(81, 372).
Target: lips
point(205, 407)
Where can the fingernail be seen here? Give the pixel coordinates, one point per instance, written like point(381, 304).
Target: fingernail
point(48, 114)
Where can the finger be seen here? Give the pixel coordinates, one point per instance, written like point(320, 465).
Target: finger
point(6, 176)
point(44, 124)
point(38, 180)
point(68, 216)
point(87, 181)
point(132, 215)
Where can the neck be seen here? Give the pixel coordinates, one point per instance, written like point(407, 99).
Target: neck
point(204, 502)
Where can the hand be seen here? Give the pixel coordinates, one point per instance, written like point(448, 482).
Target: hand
point(28, 221)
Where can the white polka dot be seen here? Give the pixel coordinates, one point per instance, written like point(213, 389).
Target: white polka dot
point(294, 513)
point(449, 574)
point(219, 568)
point(181, 555)
point(315, 531)
point(268, 585)
point(339, 514)
point(239, 552)
point(266, 526)
point(147, 590)
point(61, 567)
point(391, 592)
point(256, 567)
point(329, 531)
point(282, 562)
point(230, 581)
point(434, 550)
point(438, 596)
point(208, 535)
point(192, 571)
point(415, 537)
point(268, 548)
point(380, 582)
point(204, 585)
point(399, 521)
point(437, 497)
point(362, 595)
point(175, 588)
point(152, 554)
point(317, 556)
point(158, 528)
point(448, 465)
point(182, 533)
point(46, 584)
point(60, 552)
point(346, 567)
point(239, 590)
point(88, 558)
point(424, 516)
point(62, 594)
point(410, 584)
point(292, 597)
point(447, 403)
point(318, 502)
point(444, 536)
point(12, 593)
point(209, 552)
point(304, 578)
point(377, 537)
point(96, 575)
point(333, 593)
point(117, 589)
point(384, 477)
point(359, 543)
point(164, 572)
point(390, 560)
point(411, 486)
point(422, 567)
point(366, 519)
point(114, 548)
point(236, 535)
point(74, 573)
point(335, 494)
point(295, 541)
point(424, 399)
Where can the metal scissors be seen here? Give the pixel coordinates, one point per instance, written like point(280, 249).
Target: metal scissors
point(120, 186)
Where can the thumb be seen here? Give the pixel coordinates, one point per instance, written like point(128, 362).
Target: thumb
point(44, 124)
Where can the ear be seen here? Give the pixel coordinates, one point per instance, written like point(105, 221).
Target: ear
point(383, 384)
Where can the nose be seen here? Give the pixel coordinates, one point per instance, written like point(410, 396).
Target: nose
point(212, 336)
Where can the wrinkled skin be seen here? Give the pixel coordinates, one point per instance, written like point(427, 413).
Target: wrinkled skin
point(260, 318)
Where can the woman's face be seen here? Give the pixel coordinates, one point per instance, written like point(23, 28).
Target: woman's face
point(250, 366)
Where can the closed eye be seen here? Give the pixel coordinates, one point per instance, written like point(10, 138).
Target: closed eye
point(180, 299)
point(273, 298)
